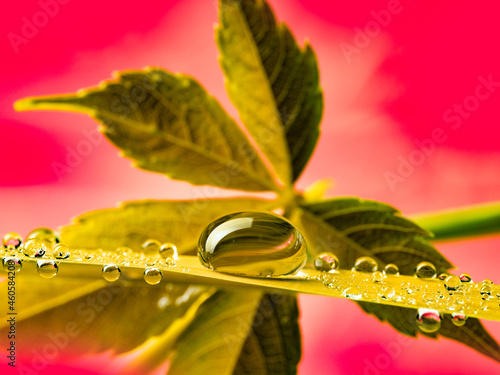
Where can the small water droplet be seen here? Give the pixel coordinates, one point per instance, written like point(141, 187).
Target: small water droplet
point(47, 268)
point(111, 272)
point(428, 320)
point(46, 235)
point(459, 319)
point(352, 292)
point(168, 251)
point(452, 282)
point(12, 241)
point(443, 276)
point(485, 290)
point(377, 277)
point(34, 248)
point(124, 251)
point(388, 293)
point(152, 276)
point(365, 264)
point(151, 262)
point(61, 252)
point(486, 282)
point(256, 244)
point(326, 262)
point(12, 264)
point(151, 247)
point(465, 278)
point(425, 270)
point(391, 269)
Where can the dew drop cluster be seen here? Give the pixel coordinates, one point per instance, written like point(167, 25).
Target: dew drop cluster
point(43, 246)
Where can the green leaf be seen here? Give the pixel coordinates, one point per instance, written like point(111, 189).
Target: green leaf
point(167, 123)
point(463, 222)
point(213, 341)
point(352, 227)
point(472, 334)
point(168, 221)
point(118, 316)
point(178, 222)
point(274, 343)
point(273, 83)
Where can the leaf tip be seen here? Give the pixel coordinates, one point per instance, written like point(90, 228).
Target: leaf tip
point(23, 105)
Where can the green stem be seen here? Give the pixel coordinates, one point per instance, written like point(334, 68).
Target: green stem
point(464, 222)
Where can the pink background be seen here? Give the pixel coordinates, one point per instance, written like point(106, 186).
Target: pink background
point(380, 101)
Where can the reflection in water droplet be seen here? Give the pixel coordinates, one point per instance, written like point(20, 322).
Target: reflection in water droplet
point(124, 251)
point(152, 276)
point(428, 320)
point(168, 251)
point(34, 248)
point(465, 278)
point(458, 319)
point(47, 268)
point(377, 277)
point(61, 252)
point(352, 292)
point(46, 235)
point(11, 264)
point(391, 269)
point(365, 264)
point(254, 244)
point(111, 272)
point(12, 241)
point(486, 289)
point(452, 282)
point(425, 270)
point(151, 262)
point(151, 247)
point(326, 262)
point(388, 293)
point(443, 276)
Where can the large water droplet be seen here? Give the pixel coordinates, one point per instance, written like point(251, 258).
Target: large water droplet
point(452, 282)
point(365, 264)
point(111, 272)
point(254, 244)
point(152, 276)
point(151, 247)
point(10, 264)
point(326, 262)
point(458, 319)
point(61, 252)
point(34, 248)
point(391, 269)
point(428, 320)
point(12, 241)
point(46, 235)
point(47, 268)
point(425, 270)
point(168, 251)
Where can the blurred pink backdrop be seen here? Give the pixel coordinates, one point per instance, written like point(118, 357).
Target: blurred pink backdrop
point(393, 74)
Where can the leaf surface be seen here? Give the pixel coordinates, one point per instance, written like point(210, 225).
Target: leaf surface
point(472, 334)
point(273, 345)
point(178, 222)
point(351, 228)
point(273, 83)
point(167, 123)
